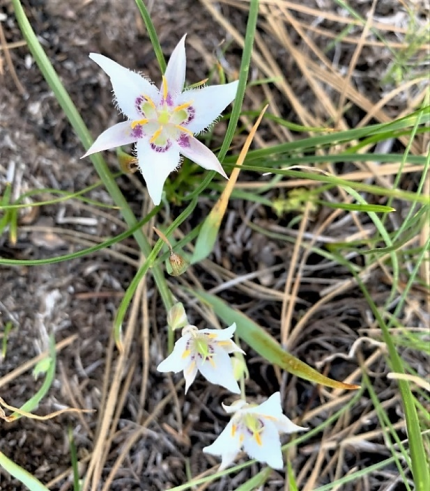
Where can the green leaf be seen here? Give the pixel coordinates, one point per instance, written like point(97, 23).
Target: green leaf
point(21, 474)
point(266, 345)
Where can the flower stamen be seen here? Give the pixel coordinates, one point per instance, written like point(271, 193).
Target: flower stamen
point(165, 91)
point(182, 106)
point(185, 130)
point(138, 122)
point(156, 135)
point(150, 102)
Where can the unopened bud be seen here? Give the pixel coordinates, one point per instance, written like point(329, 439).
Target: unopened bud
point(240, 370)
point(177, 317)
point(178, 263)
point(127, 162)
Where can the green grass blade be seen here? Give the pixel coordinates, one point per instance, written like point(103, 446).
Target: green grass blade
point(33, 402)
point(420, 468)
point(21, 474)
point(266, 345)
point(152, 34)
point(83, 252)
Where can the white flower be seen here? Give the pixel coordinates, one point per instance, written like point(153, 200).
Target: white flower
point(206, 351)
point(162, 122)
point(256, 429)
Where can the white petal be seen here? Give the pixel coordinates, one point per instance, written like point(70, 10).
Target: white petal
point(272, 407)
point(231, 347)
point(175, 71)
point(285, 425)
point(115, 136)
point(269, 452)
point(127, 85)
point(236, 406)
point(221, 334)
point(226, 445)
point(176, 362)
point(190, 374)
point(208, 103)
point(191, 148)
point(222, 371)
point(156, 167)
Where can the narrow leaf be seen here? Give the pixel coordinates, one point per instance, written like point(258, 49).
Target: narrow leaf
point(266, 345)
point(209, 231)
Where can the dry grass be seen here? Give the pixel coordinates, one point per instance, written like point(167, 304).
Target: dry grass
point(145, 434)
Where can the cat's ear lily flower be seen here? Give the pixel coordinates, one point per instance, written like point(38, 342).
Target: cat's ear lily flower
point(205, 351)
point(162, 122)
point(256, 429)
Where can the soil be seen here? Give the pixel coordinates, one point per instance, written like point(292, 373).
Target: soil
point(76, 301)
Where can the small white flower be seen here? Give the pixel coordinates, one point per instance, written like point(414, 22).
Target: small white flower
point(162, 122)
point(256, 429)
point(206, 351)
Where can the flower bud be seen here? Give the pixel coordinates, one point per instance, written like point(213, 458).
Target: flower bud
point(178, 263)
point(177, 317)
point(239, 367)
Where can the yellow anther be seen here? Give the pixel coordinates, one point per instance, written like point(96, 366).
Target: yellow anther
point(186, 353)
point(224, 343)
point(233, 430)
point(185, 130)
point(258, 438)
point(182, 106)
point(138, 122)
point(164, 88)
point(211, 361)
point(156, 135)
point(149, 101)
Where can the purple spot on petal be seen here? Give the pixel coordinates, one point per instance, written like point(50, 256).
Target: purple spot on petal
point(191, 114)
point(160, 149)
point(137, 131)
point(184, 141)
point(138, 104)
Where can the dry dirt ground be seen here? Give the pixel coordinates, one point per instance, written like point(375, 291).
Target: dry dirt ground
point(77, 300)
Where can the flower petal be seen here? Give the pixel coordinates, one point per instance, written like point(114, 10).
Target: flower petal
point(190, 374)
point(191, 148)
point(272, 407)
point(115, 136)
point(226, 445)
point(156, 167)
point(175, 71)
point(285, 425)
point(268, 450)
point(221, 334)
point(208, 103)
point(176, 362)
point(221, 373)
point(127, 86)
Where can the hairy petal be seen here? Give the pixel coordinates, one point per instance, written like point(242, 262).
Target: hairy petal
point(127, 85)
point(115, 136)
point(156, 167)
point(191, 148)
point(175, 71)
point(208, 103)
